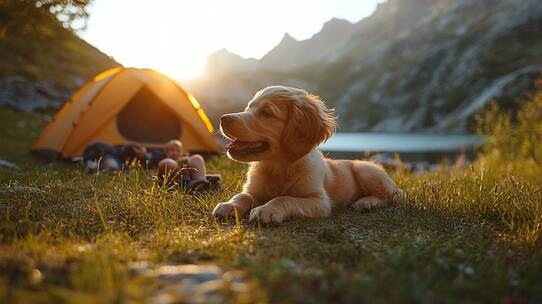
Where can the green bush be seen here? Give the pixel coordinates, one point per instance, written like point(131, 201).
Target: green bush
point(514, 137)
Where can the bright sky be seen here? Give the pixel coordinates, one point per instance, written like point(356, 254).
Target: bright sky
point(176, 36)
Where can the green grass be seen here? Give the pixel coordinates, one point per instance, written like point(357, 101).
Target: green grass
point(471, 235)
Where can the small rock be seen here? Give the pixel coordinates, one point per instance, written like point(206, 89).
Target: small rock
point(22, 189)
point(191, 283)
point(292, 266)
point(237, 280)
point(140, 268)
point(196, 273)
point(209, 287)
point(204, 298)
point(85, 247)
point(8, 165)
point(35, 277)
point(188, 291)
point(163, 298)
point(26, 95)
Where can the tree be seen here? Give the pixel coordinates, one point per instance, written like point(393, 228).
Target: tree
point(73, 14)
point(21, 17)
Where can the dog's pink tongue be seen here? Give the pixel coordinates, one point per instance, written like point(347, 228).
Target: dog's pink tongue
point(236, 145)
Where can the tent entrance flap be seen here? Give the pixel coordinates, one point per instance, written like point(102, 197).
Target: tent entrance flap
point(146, 118)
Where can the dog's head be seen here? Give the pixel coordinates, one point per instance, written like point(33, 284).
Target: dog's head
point(279, 123)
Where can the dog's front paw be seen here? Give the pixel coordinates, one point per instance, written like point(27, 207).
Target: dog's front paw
point(266, 214)
point(224, 210)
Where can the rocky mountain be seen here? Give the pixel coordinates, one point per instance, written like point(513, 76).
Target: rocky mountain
point(290, 53)
point(413, 65)
point(227, 62)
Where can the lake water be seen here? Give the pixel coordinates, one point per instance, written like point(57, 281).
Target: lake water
point(400, 143)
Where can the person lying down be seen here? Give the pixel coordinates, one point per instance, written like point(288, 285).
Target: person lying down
point(174, 165)
point(187, 170)
point(100, 156)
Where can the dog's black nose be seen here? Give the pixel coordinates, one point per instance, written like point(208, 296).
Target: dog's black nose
point(225, 119)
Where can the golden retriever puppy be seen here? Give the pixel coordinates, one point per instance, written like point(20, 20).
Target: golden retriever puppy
point(278, 134)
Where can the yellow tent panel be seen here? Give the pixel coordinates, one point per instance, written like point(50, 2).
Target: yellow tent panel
point(124, 105)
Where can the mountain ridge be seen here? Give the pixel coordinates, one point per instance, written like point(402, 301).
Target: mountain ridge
point(408, 66)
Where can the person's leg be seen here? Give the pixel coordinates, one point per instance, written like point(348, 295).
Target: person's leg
point(166, 166)
point(196, 161)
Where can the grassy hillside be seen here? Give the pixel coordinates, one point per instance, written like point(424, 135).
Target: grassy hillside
point(472, 235)
point(41, 50)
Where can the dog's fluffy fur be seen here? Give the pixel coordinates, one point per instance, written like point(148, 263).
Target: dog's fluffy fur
point(288, 177)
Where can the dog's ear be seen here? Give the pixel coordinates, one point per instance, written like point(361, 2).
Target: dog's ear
point(309, 123)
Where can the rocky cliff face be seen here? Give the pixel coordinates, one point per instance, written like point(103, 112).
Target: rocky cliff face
point(412, 65)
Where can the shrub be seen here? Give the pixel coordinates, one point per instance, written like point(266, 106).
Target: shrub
point(514, 137)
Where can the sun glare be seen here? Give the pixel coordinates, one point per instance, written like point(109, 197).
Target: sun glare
point(174, 61)
point(175, 37)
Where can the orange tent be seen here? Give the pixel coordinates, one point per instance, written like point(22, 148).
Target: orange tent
point(124, 105)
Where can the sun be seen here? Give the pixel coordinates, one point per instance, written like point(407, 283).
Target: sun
point(180, 66)
point(175, 37)
point(174, 59)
